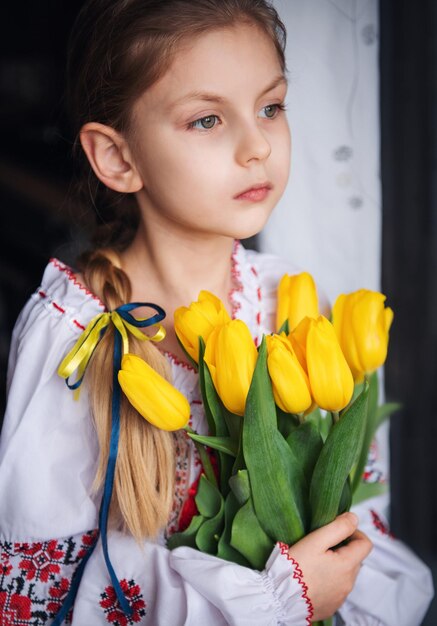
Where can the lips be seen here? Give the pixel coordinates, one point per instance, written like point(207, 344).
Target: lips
point(267, 185)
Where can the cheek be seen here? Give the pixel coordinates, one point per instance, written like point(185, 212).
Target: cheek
point(281, 153)
point(180, 164)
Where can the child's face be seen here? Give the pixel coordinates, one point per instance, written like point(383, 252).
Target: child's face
point(191, 175)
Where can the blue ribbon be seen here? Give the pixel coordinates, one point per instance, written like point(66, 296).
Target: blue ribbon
point(124, 312)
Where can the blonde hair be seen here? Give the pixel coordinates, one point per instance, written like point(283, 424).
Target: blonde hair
point(144, 473)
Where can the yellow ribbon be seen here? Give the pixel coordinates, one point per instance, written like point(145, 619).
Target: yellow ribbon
point(79, 356)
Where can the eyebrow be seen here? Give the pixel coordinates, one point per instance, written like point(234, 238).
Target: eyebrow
point(212, 97)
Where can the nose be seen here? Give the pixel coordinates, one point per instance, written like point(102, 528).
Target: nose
point(252, 144)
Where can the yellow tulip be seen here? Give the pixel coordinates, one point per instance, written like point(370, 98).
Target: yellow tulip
point(231, 356)
point(291, 387)
point(362, 324)
point(151, 395)
point(297, 298)
point(298, 340)
point(199, 320)
point(331, 379)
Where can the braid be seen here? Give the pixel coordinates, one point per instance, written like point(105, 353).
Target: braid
point(144, 474)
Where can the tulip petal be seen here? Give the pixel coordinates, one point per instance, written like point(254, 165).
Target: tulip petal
point(303, 299)
point(291, 387)
point(199, 320)
point(330, 377)
point(231, 355)
point(155, 398)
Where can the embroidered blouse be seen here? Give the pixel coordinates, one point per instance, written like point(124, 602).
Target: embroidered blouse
point(48, 519)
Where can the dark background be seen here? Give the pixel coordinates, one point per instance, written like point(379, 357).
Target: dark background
point(39, 218)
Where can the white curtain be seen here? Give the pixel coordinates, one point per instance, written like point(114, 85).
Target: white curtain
point(329, 219)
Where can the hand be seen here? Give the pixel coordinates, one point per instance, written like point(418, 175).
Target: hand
point(330, 573)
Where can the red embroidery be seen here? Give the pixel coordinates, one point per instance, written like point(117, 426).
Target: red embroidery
point(236, 276)
point(58, 593)
point(297, 575)
point(189, 510)
point(72, 276)
point(35, 578)
point(380, 525)
point(113, 612)
point(176, 360)
point(41, 559)
point(59, 308)
point(182, 445)
point(42, 294)
point(78, 325)
point(14, 609)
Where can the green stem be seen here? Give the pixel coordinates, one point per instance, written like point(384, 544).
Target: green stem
point(335, 417)
point(204, 458)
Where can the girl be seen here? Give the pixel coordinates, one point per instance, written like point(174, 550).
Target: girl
point(179, 108)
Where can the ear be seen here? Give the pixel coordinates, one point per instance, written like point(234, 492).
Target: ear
point(110, 157)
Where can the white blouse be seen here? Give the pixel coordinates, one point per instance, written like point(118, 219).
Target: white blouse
point(49, 517)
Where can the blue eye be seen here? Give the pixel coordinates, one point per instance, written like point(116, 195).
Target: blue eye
point(274, 108)
point(207, 120)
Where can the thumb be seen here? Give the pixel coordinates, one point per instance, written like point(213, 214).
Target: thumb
point(337, 531)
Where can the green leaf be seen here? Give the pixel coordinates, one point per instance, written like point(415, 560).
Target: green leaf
point(233, 424)
point(368, 490)
point(208, 498)
point(287, 422)
point(335, 462)
point(224, 549)
point(346, 497)
point(214, 411)
point(284, 328)
point(276, 478)
point(249, 538)
point(240, 486)
point(223, 444)
point(188, 536)
point(208, 535)
point(306, 443)
point(235, 427)
point(211, 400)
point(369, 431)
point(188, 356)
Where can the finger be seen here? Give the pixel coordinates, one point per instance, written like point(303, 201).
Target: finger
point(358, 547)
point(337, 531)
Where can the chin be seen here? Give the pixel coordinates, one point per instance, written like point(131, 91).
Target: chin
point(250, 226)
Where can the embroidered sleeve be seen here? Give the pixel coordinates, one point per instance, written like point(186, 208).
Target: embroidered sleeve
point(276, 596)
point(35, 577)
point(286, 579)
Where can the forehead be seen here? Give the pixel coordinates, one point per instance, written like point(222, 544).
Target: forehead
point(228, 62)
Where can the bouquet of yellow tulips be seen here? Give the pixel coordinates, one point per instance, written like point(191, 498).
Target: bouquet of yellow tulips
point(285, 469)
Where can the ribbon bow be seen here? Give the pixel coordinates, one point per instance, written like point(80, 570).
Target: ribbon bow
point(77, 361)
point(80, 355)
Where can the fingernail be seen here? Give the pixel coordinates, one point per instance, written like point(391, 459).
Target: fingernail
point(352, 516)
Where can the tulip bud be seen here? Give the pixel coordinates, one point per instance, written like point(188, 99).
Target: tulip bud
point(199, 320)
point(362, 325)
point(291, 387)
point(230, 355)
point(331, 380)
point(298, 340)
point(157, 400)
point(297, 298)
